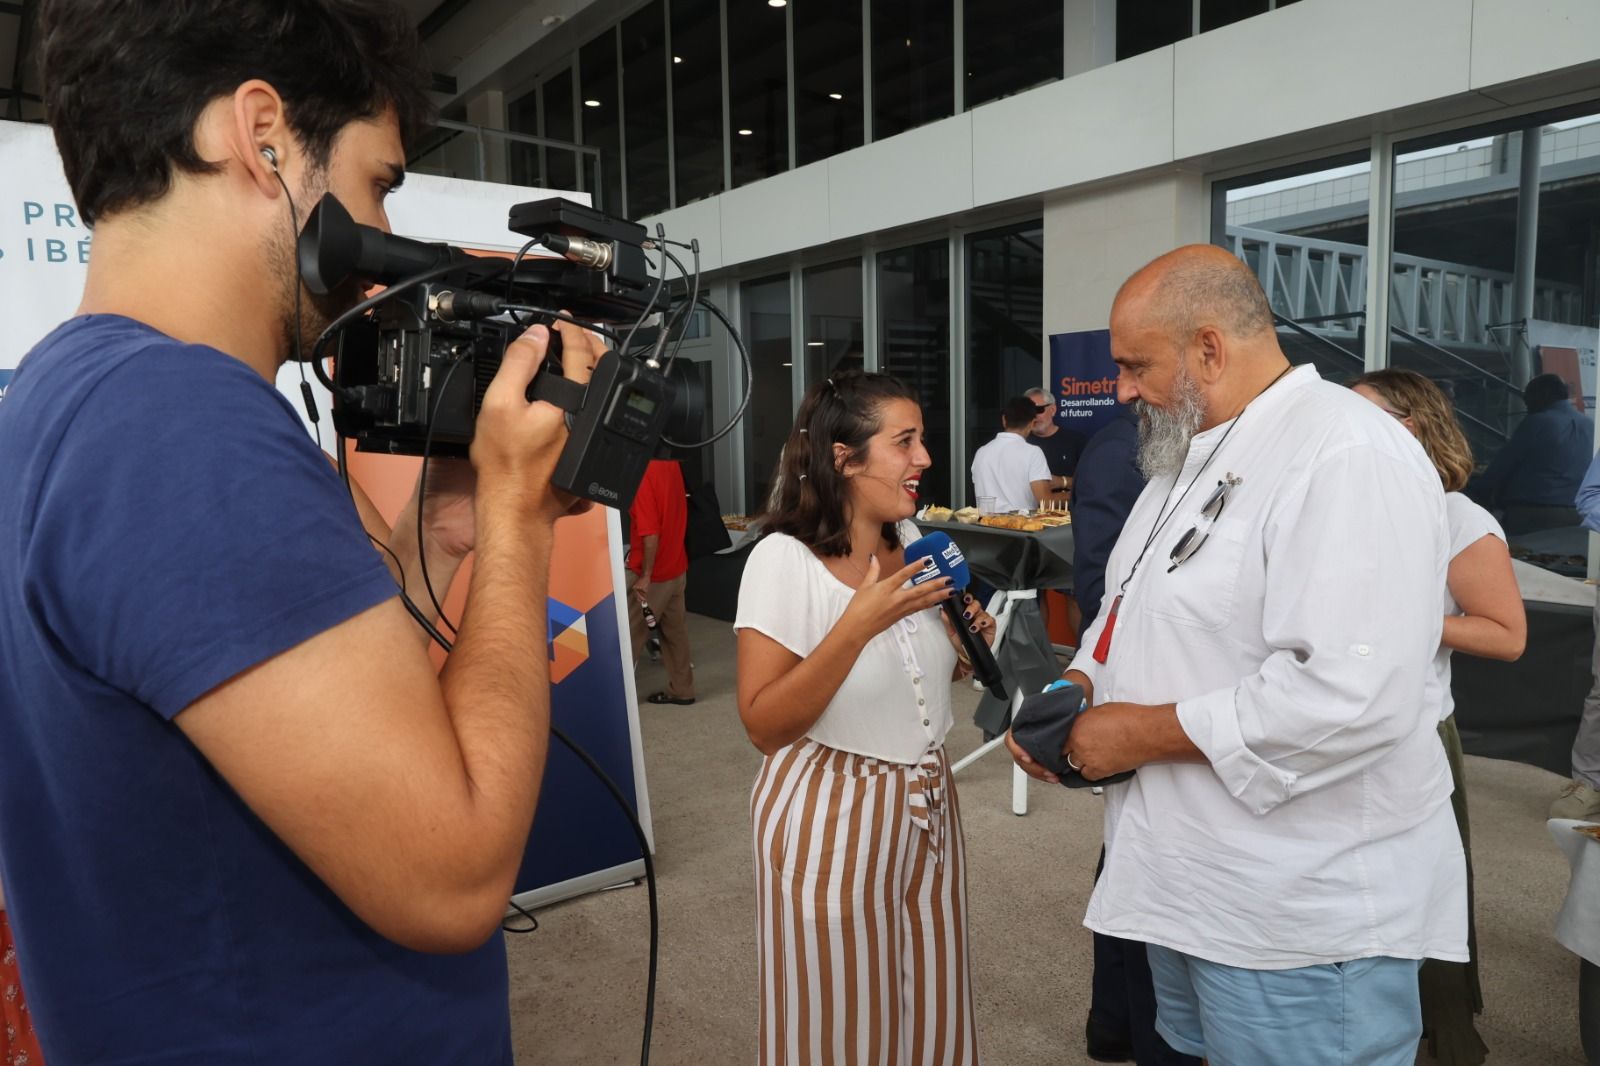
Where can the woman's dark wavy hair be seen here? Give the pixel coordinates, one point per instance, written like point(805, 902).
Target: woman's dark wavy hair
point(811, 499)
point(125, 81)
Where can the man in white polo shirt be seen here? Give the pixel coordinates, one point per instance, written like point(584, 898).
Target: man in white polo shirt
point(1009, 469)
point(1262, 658)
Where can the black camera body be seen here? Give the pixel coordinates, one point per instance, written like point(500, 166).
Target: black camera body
point(410, 375)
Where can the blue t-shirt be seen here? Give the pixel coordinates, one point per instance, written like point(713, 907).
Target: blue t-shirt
point(165, 524)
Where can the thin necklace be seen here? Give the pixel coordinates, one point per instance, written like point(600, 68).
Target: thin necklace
point(1164, 516)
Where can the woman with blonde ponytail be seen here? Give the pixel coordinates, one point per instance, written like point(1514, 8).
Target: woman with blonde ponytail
point(1483, 616)
point(844, 686)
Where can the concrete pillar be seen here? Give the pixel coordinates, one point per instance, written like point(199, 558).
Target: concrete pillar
point(1094, 240)
point(1090, 29)
point(488, 109)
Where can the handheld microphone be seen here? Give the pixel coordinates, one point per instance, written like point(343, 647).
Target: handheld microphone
point(941, 558)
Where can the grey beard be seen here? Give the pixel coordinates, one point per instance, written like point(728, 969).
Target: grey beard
point(1165, 432)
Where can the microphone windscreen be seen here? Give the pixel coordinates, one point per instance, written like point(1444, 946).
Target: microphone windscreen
point(944, 558)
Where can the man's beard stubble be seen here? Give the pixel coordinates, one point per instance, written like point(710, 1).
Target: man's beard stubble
point(1165, 432)
point(314, 313)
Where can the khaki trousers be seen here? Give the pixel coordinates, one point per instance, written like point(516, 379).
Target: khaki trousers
point(666, 602)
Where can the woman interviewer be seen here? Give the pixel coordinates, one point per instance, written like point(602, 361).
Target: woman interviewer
point(844, 685)
point(1483, 616)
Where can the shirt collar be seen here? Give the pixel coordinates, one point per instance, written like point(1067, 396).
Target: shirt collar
point(1275, 396)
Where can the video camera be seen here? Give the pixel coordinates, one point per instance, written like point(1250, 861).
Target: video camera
point(413, 362)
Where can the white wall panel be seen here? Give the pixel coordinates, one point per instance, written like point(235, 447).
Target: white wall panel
point(1098, 124)
point(1514, 39)
point(701, 219)
point(920, 174)
point(1316, 63)
point(779, 214)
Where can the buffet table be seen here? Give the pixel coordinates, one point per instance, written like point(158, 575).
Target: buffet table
point(1018, 564)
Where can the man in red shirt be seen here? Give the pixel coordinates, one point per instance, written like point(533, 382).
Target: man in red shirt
point(658, 565)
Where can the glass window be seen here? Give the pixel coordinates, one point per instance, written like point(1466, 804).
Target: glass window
point(560, 167)
point(833, 338)
point(597, 70)
point(1304, 233)
point(828, 108)
point(522, 116)
point(1494, 284)
point(758, 90)
point(1218, 13)
point(765, 302)
point(1005, 326)
point(913, 69)
point(644, 86)
point(914, 341)
point(1011, 45)
point(1146, 25)
point(697, 97)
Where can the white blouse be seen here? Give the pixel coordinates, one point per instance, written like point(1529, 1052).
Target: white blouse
point(895, 702)
point(1469, 524)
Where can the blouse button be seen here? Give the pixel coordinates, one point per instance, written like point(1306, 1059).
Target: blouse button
point(922, 703)
point(924, 721)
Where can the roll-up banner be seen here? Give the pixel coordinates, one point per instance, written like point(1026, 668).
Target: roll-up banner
point(1083, 380)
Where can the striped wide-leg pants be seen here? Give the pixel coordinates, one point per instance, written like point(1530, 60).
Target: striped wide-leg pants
point(861, 912)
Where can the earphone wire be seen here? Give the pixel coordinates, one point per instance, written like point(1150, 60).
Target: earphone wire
point(299, 283)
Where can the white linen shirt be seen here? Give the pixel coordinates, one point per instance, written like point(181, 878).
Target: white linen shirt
point(1298, 645)
point(1468, 523)
point(895, 702)
point(1006, 468)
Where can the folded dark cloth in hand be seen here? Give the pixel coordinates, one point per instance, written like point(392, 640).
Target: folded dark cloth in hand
point(1041, 728)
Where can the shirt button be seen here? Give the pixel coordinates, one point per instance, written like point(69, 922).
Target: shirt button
point(922, 703)
point(924, 721)
point(1363, 649)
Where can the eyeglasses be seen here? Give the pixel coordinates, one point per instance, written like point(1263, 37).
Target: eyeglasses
point(1191, 542)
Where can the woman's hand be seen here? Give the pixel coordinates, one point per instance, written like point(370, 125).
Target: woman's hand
point(880, 603)
point(978, 621)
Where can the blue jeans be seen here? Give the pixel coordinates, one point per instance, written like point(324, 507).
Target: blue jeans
point(1364, 1012)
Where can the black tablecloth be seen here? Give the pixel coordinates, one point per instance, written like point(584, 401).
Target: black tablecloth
point(1528, 711)
point(1011, 560)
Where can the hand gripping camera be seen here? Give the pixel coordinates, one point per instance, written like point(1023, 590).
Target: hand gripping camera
point(411, 371)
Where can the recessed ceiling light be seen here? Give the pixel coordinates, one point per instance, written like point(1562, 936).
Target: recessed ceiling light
point(813, 344)
point(746, 133)
point(591, 103)
point(836, 96)
point(777, 3)
point(677, 59)
point(788, 364)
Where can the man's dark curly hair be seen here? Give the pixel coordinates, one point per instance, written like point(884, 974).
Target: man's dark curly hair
point(126, 80)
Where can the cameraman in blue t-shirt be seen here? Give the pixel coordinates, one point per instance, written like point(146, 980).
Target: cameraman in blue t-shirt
point(241, 818)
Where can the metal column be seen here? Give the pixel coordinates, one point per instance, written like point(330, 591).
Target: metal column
point(1522, 367)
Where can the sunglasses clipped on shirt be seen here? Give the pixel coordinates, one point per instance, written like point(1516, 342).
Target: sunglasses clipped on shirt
point(1190, 543)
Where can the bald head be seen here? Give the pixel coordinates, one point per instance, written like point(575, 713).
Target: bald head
point(1192, 287)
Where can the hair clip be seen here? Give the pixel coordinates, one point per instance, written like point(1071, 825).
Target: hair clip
point(803, 429)
point(802, 477)
point(832, 386)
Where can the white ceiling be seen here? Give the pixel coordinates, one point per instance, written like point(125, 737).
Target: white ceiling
point(469, 40)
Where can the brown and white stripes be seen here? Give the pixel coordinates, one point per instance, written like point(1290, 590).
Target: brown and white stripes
point(861, 912)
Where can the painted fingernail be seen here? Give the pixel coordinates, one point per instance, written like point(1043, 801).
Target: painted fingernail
point(967, 615)
point(973, 628)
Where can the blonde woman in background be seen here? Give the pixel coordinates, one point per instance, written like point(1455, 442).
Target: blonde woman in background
point(1484, 617)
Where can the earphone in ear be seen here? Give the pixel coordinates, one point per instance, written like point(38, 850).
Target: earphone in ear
point(271, 157)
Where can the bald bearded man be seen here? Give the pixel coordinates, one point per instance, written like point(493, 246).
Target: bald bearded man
point(1261, 657)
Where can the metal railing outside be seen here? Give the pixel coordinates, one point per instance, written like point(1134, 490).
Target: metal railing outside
point(477, 153)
